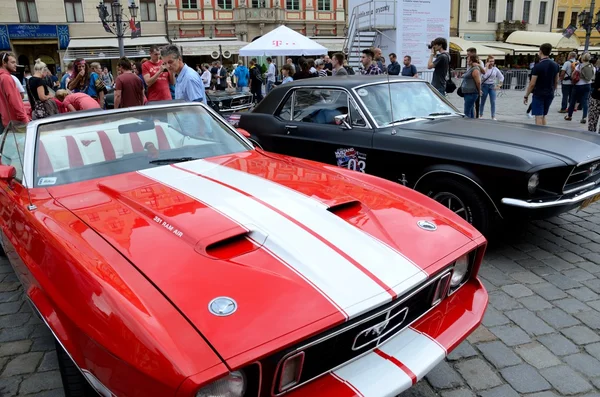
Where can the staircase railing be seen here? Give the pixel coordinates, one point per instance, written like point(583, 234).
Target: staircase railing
point(370, 16)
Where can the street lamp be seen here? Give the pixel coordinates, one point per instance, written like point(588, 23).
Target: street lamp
point(586, 21)
point(113, 21)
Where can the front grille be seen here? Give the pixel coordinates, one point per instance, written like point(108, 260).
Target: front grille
point(359, 336)
point(240, 101)
point(582, 176)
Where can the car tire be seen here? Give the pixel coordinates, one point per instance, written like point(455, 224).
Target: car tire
point(462, 199)
point(74, 383)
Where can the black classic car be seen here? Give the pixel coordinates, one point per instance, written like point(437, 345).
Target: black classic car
point(224, 102)
point(403, 130)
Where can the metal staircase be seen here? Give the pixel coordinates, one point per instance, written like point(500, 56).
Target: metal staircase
point(367, 22)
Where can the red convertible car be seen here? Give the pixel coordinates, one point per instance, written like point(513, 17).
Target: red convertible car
point(169, 257)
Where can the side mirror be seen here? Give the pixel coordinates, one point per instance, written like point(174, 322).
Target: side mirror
point(7, 173)
point(342, 120)
point(245, 133)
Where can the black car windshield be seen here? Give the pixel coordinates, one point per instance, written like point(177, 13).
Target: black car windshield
point(403, 101)
point(91, 147)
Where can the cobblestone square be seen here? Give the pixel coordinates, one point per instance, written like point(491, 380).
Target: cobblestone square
point(540, 336)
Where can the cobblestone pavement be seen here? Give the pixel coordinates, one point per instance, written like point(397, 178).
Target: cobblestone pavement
point(539, 338)
point(509, 107)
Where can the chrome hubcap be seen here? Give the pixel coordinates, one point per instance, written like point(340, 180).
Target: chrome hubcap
point(453, 203)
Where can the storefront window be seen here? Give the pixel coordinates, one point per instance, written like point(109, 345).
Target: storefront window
point(148, 10)
point(27, 11)
point(74, 10)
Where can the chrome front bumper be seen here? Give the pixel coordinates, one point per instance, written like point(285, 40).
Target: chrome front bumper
point(576, 199)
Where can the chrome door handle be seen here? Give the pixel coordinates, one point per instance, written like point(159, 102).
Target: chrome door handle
point(290, 127)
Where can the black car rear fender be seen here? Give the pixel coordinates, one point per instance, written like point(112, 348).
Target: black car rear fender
point(457, 173)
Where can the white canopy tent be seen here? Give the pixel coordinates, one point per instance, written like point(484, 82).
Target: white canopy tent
point(281, 42)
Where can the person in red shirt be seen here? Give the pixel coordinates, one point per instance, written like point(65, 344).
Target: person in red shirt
point(157, 77)
point(129, 90)
point(76, 101)
point(11, 103)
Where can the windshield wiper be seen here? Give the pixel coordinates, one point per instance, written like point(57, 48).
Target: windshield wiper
point(441, 114)
point(401, 120)
point(173, 160)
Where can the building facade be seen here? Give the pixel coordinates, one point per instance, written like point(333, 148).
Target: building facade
point(494, 20)
point(58, 31)
point(567, 12)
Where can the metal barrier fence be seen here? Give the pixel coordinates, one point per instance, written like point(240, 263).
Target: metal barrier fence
point(514, 79)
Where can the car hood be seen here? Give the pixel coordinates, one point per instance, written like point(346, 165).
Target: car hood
point(298, 248)
point(565, 145)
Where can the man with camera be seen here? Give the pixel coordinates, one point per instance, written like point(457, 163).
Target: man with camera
point(157, 77)
point(439, 60)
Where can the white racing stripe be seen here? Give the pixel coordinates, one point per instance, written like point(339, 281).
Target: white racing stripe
point(389, 266)
point(374, 376)
point(342, 282)
point(416, 351)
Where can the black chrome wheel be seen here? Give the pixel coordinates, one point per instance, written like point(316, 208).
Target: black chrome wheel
point(454, 204)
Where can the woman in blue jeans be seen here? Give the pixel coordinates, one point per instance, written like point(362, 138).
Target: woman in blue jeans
point(488, 85)
point(471, 85)
point(582, 88)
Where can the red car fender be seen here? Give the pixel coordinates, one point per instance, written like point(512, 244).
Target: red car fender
point(109, 318)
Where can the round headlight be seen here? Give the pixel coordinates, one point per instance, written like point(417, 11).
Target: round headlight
point(533, 183)
point(232, 385)
point(461, 267)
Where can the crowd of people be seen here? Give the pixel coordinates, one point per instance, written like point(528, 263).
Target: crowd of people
point(165, 76)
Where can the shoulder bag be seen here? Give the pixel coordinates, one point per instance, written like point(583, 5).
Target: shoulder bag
point(41, 109)
point(450, 85)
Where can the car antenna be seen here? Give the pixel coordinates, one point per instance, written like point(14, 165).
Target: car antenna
point(31, 206)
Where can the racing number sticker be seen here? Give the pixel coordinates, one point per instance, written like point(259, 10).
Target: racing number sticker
point(351, 159)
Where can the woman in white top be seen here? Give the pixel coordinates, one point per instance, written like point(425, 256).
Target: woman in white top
point(206, 76)
point(491, 80)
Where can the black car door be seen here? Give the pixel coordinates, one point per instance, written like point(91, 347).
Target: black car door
point(309, 128)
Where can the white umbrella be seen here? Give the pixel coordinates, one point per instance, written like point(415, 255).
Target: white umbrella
point(283, 41)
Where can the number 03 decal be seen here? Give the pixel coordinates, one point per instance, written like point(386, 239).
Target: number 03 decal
point(351, 158)
point(357, 165)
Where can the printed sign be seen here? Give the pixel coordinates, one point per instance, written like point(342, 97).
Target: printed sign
point(34, 31)
point(351, 159)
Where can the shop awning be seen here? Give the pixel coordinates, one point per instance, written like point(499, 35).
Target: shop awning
point(536, 39)
point(512, 49)
point(590, 49)
point(333, 44)
point(209, 46)
point(461, 45)
point(108, 48)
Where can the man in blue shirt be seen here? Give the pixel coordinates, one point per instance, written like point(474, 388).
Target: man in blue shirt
point(544, 81)
point(242, 75)
point(188, 85)
point(409, 70)
point(394, 67)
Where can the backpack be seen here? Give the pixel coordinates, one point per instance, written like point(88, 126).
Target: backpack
point(587, 72)
point(575, 73)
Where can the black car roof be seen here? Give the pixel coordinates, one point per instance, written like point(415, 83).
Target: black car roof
point(347, 82)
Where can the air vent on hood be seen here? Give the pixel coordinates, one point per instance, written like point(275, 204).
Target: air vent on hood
point(349, 206)
point(231, 243)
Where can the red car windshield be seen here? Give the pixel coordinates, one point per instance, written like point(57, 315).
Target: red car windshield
point(96, 146)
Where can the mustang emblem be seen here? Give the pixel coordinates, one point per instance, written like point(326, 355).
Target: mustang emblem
point(87, 142)
point(377, 329)
point(593, 168)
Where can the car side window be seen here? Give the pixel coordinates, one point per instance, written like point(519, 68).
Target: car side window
point(319, 106)
point(13, 149)
point(356, 118)
point(286, 110)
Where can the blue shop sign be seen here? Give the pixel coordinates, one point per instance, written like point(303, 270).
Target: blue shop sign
point(34, 31)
